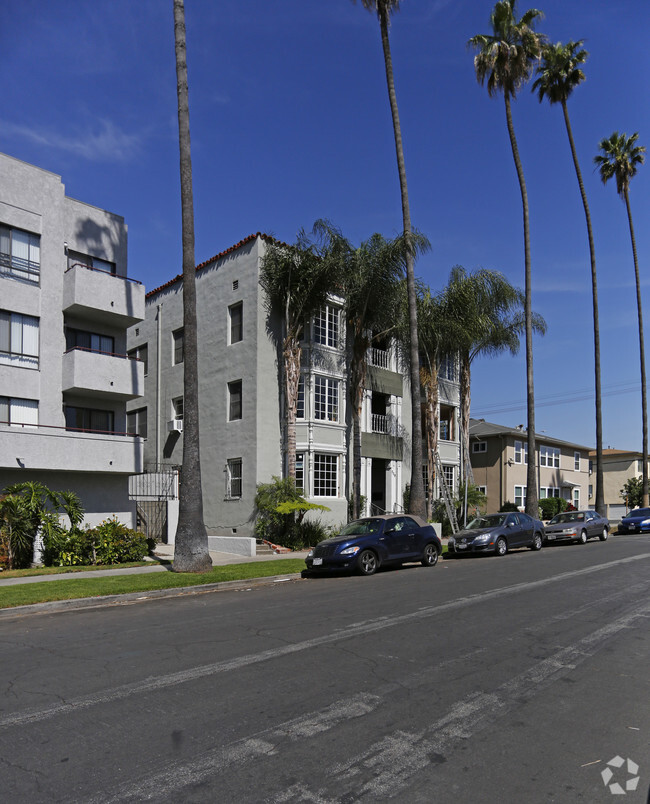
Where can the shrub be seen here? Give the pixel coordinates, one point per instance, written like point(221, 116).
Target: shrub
point(508, 506)
point(280, 511)
point(111, 542)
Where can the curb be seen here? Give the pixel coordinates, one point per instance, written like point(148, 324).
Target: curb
point(82, 603)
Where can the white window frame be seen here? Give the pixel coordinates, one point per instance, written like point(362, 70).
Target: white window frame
point(177, 409)
point(548, 491)
point(326, 475)
point(18, 412)
point(521, 452)
point(234, 476)
point(449, 473)
point(576, 497)
point(520, 494)
point(326, 326)
point(22, 340)
point(576, 461)
point(549, 457)
point(327, 399)
point(301, 410)
point(20, 254)
point(300, 472)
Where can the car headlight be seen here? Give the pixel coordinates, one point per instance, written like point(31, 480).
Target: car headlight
point(310, 554)
point(451, 540)
point(570, 531)
point(350, 551)
point(646, 522)
point(482, 537)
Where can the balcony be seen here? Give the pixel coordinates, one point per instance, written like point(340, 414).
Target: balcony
point(379, 358)
point(383, 424)
point(57, 449)
point(104, 297)
point(101, 374)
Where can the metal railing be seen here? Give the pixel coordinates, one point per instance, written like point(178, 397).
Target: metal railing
point(378, 357)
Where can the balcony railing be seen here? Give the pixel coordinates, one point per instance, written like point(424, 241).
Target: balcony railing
point(19, 267)
point(378, 357)
point(383, 424)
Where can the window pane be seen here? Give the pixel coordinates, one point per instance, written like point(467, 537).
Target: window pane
point(235, 405)
point(300, 407)
point(236, 323)
point(24, 411)
point(178, 346)
point(325, 475)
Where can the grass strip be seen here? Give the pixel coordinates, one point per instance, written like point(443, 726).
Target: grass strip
point(74, 588)
point(33, 571)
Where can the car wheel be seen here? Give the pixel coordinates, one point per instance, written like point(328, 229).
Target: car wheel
point(429, 556)
point(368, 562)
point(604, 535)
point(583, 537)
point(501, 547)
point(537, 542)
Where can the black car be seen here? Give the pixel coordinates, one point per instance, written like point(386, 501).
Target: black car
point(577, 526)
point(366, 544)
point(497, 533)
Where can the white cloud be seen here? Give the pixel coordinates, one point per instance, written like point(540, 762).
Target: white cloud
point(106, 144)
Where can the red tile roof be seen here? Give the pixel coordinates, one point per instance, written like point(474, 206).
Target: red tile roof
point(250, 238)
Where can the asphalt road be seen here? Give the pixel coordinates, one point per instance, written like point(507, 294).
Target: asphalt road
point(514, 679)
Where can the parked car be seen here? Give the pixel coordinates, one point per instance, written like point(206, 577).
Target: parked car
point(637, 521)
point(498, 533)
point(366, 544)
point(577, 526)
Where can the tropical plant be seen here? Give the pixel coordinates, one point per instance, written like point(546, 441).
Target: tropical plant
point(191, 552)
point(505, 61)
point(557, 76)
point(384, 9)
point(15, 537)
point(620, 158)
point(280, 510)
point(297, 281)
point(110, 542)
point(632, 492)
point(483, 316)
point(373, 291)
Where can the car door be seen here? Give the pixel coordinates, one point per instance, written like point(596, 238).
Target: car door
point(527, 525)
point(396, 538)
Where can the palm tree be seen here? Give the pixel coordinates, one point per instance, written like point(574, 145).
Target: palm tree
point(384, 8)
point(483, 316)
point(620, 157)
point(373, 291)
point(191, 552)
point(557, 76)
point(505, 60)
point(297, 281)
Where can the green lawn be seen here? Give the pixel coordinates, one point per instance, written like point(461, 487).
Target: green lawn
point(31, 571)
point(73, 588)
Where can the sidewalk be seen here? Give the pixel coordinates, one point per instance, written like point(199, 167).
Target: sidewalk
point(165, 552)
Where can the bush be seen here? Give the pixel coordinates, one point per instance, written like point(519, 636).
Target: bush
point(549, 506)
point(280, 511)
point(111, 542)
point(508, 506)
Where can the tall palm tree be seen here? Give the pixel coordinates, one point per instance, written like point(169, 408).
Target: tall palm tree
point(620, 157)
point(483, 315)
point(383, 9)
point(191, 552)
point(373, 289)
point(297, 281)
point(557, 76)
point(505, 60)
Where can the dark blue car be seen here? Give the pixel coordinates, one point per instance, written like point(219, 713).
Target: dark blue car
point(637, 521)
point(366, 544)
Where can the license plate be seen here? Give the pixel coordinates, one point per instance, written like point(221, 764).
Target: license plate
point(461, 546)
point(317, 562)
point(551, 537)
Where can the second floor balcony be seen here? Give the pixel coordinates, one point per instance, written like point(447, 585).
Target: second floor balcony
point(102, 296)
point(102, 374)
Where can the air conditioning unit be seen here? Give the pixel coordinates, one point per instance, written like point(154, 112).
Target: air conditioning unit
point(175, 424)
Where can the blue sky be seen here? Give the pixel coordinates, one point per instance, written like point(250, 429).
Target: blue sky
point(290, 123)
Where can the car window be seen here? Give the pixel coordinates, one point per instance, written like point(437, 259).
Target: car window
point(361, 527)
point(492, 521)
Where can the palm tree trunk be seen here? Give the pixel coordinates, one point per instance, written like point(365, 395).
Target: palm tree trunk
point(191, 543)
point(600, 491)
point(531, 480)
point(465, 404)
point(644, 399)
point(416, 499)
point(292, 354)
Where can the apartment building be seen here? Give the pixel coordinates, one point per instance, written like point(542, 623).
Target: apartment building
point(499, 460)
point(66, 303)
point(619, 466)
point(242, 433)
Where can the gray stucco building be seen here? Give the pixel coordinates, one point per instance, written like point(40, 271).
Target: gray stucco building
point(66, 303)
point(241, 399)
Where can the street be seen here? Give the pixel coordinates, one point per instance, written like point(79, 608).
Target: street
point(513, 679)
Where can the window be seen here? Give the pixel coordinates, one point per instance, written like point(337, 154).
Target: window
point(482, 489)
point(549, 456)
point(77, 258)
point(177, 408)
point(576, 498)
point(90, 341)
point(479, 446)
point(576, 461)
point(326, 399)
point(447, 369)
point(326, 326)
point(233, 480)
point(141, 353)
point(18, 339)
point(18, 412)
point(591, 491)
point(325, 475)
point(178, 347)
point(236, 314)
point(520, 496)
point(89, 419)
point(300, 405)
point(521, 452)
point(136, 422)
point(448, 474)
point(20, 254)
point(300, 472)
point(548, 491)
point(234, 400)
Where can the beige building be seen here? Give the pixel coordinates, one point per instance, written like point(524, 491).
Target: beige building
point(619, 466)
point(499, 459)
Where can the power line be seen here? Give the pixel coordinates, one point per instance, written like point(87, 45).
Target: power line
point(548, 400)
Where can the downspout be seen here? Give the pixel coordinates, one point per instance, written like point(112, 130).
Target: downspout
point(158, 380)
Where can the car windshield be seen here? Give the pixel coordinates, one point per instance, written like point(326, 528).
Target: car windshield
point(569, 516)
point(491, 521)
point(640, 512)
point(361, 526)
